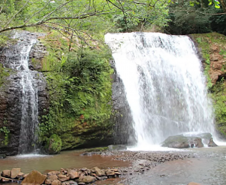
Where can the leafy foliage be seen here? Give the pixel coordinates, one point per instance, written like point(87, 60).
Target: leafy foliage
point(79, 83)
point(54, 144)
point(187, 19)
point(6, 133)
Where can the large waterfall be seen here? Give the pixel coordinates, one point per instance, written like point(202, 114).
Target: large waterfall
point(164, 84)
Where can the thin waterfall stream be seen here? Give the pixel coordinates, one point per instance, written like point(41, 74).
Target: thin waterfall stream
point(164, 84)
point(19, 61)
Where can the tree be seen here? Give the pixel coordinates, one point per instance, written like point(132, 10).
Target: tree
point(17, 14)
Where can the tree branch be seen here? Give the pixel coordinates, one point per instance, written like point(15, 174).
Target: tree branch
point(7, 24)
point(84, 16)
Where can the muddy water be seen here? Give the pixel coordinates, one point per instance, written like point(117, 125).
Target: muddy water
point(208, 169)
point(68, 159)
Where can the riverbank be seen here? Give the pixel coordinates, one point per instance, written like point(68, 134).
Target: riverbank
point(111, 164)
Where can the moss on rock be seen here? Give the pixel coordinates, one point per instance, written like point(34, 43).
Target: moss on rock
point(54, 144)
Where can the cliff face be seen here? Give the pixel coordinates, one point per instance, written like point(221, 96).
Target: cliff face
point(123, 130)
point(11, 93)
point(212, 47)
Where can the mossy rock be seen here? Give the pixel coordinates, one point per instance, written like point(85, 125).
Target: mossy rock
point(54, 144)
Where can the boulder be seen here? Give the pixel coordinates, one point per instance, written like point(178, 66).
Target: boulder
point(110, 172)
point(73, 174)
point(198, 142)
point(34, 178)
point(15, 172)
point(178, 141)
point(6, 173)
point(211, 143)
point(50, 179)
point(87, 179)
point(98, 171)
point(188, 140)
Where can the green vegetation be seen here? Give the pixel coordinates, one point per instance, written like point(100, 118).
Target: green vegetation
point(79, 83)
point(54, 144)
point(6, 133)
point(219, 97)
point(217, 90)
point(4, 73)
point(98, 149)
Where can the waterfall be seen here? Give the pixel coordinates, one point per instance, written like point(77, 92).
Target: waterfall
point(19, 62)
point(164, 84)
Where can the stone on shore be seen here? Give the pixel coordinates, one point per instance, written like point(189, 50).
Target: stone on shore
point(87, 179)
point(63, 178)
point(98, 171)
point(34, 178)
point(56, 182)
point(69, 183)
point(193, 183)
point(51, 178)
point(73, 174)
point(6, 173)
point(15, 172)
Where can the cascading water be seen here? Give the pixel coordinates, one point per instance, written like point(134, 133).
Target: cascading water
point(19, 61)
point(164, 85)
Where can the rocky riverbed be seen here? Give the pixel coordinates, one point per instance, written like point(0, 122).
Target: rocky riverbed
point(141, 163)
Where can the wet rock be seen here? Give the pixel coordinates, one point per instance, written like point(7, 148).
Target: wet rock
point(6, 173)
point(178, 141)
point(187, 140)
point(15, 172)
point(123, 133)
point(117, 147)
point(198, 142)
point(211, 143)
point(10, 93)
point(34, 177)
point(87, 179)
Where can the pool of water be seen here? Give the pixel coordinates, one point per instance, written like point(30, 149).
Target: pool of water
point(66, 159)
point(209, 168)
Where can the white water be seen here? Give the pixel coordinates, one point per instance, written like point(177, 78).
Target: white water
point(164, 85)
point(29, 96)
